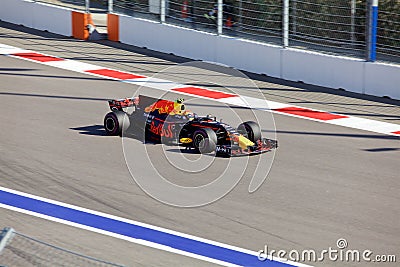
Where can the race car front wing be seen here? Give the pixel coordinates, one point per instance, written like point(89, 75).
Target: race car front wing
point(262, 146)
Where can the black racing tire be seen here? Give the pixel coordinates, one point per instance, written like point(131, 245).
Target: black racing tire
point(204, 140)
point(116, 122)
point(251, 130)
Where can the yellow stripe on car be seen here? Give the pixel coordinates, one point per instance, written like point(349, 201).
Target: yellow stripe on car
point(244, 142)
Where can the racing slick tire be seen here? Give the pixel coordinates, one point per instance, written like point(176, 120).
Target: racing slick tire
point(116, 122)
point(251, 130)
point(205, 140)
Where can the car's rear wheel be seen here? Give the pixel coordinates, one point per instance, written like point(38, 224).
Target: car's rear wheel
point(204, 140)
point(116, 122)
point(251, 130)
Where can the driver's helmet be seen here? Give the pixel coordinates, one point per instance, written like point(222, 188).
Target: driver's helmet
point(179, 107)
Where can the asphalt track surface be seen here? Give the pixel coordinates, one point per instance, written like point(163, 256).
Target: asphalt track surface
point(326, 182)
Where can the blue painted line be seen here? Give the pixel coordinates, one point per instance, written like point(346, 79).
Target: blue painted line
point(134, 231)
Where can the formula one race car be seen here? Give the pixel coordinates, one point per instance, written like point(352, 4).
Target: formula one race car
point(163, 121)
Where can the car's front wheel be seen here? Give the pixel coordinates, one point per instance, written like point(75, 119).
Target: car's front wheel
point(251, 130)
point(204, 140)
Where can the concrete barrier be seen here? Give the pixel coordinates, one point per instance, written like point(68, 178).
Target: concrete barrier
point(237, 53)
point(382, 79)
point(324, 70)
point(17, 12)
point(248, 55)
point(53, 19)
point(167, 38)
point(37, 15)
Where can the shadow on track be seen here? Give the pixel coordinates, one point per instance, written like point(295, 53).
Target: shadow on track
point(7, 71)
point(97, 130)
point(385, 149)
point(55, 96)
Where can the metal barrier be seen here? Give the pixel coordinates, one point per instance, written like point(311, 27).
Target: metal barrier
point(331, 26)
point(388, 30)
point(195, 14)
point(17, 249)
point(258, 20)
point(148, 9)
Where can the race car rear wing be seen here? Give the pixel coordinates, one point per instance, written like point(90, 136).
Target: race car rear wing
point(140, 102)
point(119, 104)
